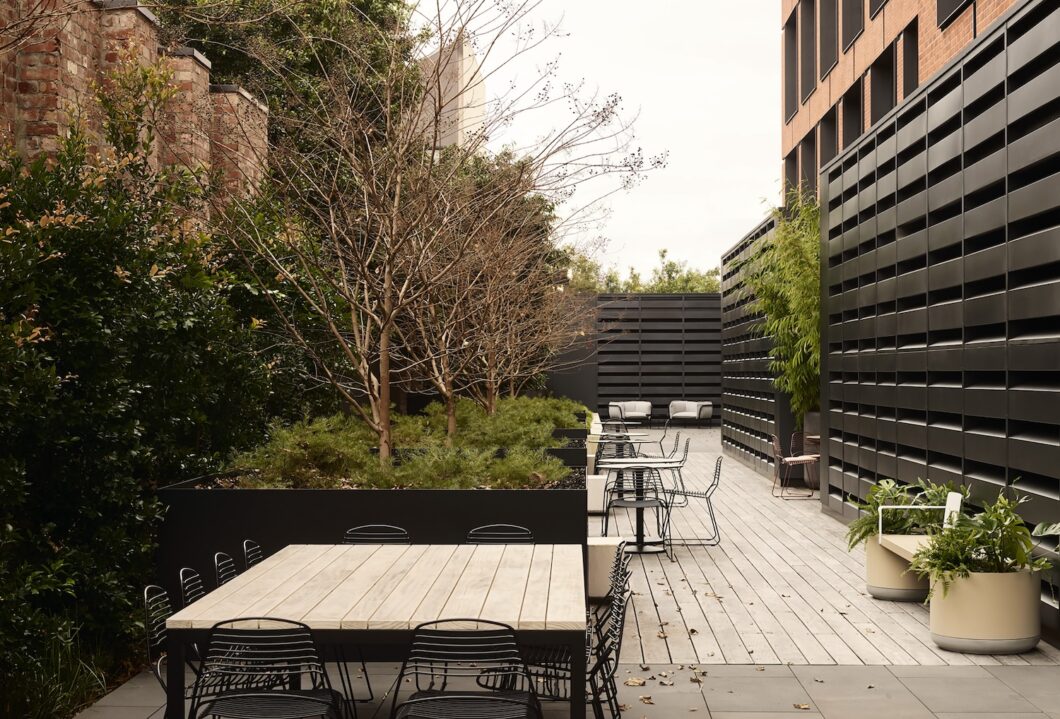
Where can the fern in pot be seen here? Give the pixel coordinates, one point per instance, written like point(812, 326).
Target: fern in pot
point(985, 588)
point(887, 575)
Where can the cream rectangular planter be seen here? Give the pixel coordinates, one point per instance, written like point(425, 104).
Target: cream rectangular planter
point(988, 613)
point(594, 488)
point(601, 558)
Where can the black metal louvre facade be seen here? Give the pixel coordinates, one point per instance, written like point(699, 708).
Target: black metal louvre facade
point(941, 281)
point(754, 410)
point(659, 348)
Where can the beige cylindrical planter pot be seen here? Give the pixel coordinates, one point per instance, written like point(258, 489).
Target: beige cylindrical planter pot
point(988, 613)
point(887, 575)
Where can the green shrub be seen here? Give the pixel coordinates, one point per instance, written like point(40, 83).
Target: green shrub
point(906, 521)
point(124, 365)
point(337, 451)
point(994, 540)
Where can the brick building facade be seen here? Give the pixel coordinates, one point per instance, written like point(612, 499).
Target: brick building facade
point(847, 63)
point(49, 77)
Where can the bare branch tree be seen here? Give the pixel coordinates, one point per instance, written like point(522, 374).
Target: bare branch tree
point(371, 182)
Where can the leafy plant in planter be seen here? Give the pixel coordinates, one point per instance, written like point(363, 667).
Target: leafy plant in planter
point(887, 492)
point(995, 541)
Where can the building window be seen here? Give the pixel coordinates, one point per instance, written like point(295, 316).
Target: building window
point(828, 34)
point(949, 9)
point(853, 21)
point(910, 60)
point(791, 171)
point(791, 68)
point(875, 6)
point(807, 36)
point(853, 115)
point(883, 92)
point(828, 137)
point(808, 163)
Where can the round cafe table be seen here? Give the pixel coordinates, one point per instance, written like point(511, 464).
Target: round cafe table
point(642, 544)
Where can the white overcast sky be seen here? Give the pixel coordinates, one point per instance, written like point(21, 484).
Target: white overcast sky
point(705, 78)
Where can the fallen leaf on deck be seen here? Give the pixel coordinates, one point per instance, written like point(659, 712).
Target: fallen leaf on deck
point(695, 679)
point(760, 669)
point(802, 707)
point(666, 683)
point(645, 668)
point(645, 699)
point(693, 631)
point(661, 635)
point(634, 682)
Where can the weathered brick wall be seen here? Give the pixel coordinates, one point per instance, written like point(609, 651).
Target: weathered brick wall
point(47, 82)
point(238, 138)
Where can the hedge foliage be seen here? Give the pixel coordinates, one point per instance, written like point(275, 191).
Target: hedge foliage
point(336, 451)
point(125, 362)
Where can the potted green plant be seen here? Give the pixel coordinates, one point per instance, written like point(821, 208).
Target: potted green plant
point(887, 575)
point(985, 588)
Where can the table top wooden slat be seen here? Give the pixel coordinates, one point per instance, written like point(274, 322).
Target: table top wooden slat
point(414, 588)
point(360, 613)
point(565, 610)
point(387, 587)
point(535, 601)
point(332, 609)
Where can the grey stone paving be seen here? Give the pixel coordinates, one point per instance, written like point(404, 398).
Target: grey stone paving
point(753, 692)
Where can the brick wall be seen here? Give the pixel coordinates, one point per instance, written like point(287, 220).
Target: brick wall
point(47, 82)
point(936, 46)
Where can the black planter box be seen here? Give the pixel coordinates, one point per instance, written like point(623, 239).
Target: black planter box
point(199, 522)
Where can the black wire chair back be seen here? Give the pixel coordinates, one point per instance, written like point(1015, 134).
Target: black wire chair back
point(225, 568)
point(684, 454)
point(255, 659)
point(157, 609)
point(615, 450)
point(191, 586)
point(376, 534)
point(500, 534)
point(450, 649)
point(467, 706)
point(252, 553)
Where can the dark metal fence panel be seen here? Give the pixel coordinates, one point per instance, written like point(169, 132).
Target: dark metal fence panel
point(941, 280)
point(659, 348)
point(754, 409)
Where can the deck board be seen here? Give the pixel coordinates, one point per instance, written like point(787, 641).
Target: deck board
point(781, 588)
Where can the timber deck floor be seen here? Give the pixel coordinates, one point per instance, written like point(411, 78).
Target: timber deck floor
point(780, 588)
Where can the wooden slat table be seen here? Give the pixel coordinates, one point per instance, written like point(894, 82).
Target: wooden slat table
point(374, 595)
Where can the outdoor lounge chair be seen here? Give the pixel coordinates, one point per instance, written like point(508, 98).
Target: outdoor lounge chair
point(632, 411)
point(225, 568)
point(252, 553)
point(691, 411)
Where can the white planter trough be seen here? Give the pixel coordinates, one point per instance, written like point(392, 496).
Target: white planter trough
point(594, 489)
point(601, 559)
point(988, 613)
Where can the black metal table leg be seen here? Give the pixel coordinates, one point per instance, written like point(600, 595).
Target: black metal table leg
point(175, 675)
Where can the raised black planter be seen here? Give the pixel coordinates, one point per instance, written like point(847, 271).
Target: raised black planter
point(201, 521)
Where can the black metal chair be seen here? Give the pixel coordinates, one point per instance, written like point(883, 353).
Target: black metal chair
point(251, 654)
point(639, 488)
point(500, 534)
point(448, 652)
point(782, 466)
point(157, 609)
point(191, 586)
point(252, 553)
point(604, 658)
point(376, 534)
point(224, 568)
point(714, 537)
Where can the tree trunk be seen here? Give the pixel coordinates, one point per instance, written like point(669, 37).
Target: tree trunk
point(450, 415)
point(385, 439)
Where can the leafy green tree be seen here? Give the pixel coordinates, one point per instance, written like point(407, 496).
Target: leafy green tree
point(784, 276)
point(123, 365)
point(669, 277)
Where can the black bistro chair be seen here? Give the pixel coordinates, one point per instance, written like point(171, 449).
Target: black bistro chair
point(445, 668)
point(224, 568)
point(252, 553)
point(376, 534)
point(191, 586)
point(260, 661)
point(500, 534)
